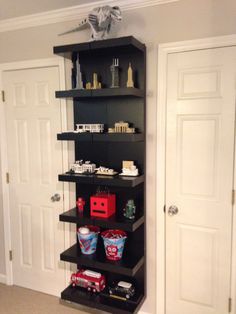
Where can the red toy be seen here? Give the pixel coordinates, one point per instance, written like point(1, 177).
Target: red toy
point(80, 204)
point(90, 280)
point(102, 205)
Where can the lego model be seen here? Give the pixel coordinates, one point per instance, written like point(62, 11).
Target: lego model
point(79, 82)
point(90, 280)
point(129, 169)
point(122, 290)
point(103, 204)
point(105, 171)
point(90, 128)
point(130, 82)
point(129, 210)
point(80, 204)
point(121, 127)
point(83, 167)
point(115, 73)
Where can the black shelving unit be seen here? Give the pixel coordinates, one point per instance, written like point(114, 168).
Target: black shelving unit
point(107, 106)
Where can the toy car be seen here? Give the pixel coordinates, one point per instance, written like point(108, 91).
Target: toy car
point(122, 290)
point(90, 280)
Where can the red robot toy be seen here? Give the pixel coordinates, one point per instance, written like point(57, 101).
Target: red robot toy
point(80, 204)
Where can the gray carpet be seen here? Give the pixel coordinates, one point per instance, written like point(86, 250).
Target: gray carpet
point(17, 300)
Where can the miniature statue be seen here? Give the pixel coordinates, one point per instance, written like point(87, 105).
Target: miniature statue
point(100, 20)
point(80, 204)
point(79, 82)
point(130, 209)
point(115, 73)
point(121, 127)
point(88, 85)
point(129, 169)
point(95, 81)
point(130, 82)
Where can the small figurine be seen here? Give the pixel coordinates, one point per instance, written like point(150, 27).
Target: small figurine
point(121, 127)
point(90, 128)
point(79, 82)
point(115, 73)
point(122, 290)
point(88, 279)
point(130, 82)
point(130, 209)
point(80, 204)
point(129, 169)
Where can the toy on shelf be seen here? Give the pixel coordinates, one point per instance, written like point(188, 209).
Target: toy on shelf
point(90, 280)
point(88, 85)
point(90, 128)
point(130, 82)
point(122, 290)
point(83, 167)
point(114, 241)
point(115, 80)
point(129, 169)
point(80, 204)
point(106, 171)
point(88, 238)
point(130, 209)
point(121, 127)
point(103, 204)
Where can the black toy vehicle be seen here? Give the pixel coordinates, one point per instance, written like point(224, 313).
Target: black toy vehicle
point(122, 290)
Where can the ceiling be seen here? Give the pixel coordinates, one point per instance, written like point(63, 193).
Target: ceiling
point(11, 9)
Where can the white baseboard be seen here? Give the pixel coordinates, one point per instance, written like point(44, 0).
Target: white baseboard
point(2, 278)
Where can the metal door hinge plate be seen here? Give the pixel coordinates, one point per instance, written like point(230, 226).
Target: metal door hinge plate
point(230, 305)
point(3, 95)
point(233, 197)
point(7, 178)
point(10, 255)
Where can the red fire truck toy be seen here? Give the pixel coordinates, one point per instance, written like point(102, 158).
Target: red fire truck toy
point(88, 279)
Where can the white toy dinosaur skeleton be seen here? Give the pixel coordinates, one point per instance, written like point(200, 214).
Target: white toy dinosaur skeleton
point(100, 20)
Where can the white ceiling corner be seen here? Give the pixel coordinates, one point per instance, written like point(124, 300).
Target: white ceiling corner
point(72, 13)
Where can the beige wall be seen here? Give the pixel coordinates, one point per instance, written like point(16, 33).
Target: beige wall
point(183, 20)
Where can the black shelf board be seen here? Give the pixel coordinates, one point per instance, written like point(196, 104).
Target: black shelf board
point(103, 137)
point(114, 43)
point(119, 181)
point(99, 301)
point(101, 93)
point(128, 266)
point(112, 222)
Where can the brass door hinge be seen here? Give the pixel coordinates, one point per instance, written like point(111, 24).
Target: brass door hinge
point(7, 178)
point(230, 305)
point(3, 95)
point(233, 197)
point(10, 255)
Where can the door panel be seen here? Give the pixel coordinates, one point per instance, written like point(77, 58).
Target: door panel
point(35, 159)
point(199, 180)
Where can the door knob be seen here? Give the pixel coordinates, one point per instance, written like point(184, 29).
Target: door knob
point(173, 210)
point(56, 198)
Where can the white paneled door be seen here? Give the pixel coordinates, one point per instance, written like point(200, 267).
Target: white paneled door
point(199, 180)
point(35, 158)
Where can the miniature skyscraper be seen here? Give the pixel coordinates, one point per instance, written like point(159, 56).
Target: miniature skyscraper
point(79, 82)
point(115, 73)
point(130, 82)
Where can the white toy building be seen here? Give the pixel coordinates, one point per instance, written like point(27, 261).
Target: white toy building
point(105, 171)
point(91, 128)
point(121, 127)
point(80, 167)
point(129, 169)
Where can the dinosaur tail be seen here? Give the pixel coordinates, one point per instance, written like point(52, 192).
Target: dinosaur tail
point(83, 24)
